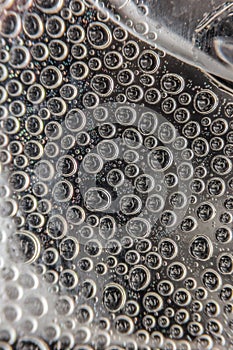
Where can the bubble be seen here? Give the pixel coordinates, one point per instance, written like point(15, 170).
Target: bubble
point(132, 257)
point(77, 7)
point(176, 271)
point(219, 126)
point(223, 234)
point(57, 106)
point(168, 248)
point(205, 101)
point(36, 94)
point(33, 25)
point(108, 150)
point(82, 138)
point(146, 80)
point(75, 215)
point(144, 183)
point(148, 62)
point(178, 200)
point(226, 293)
point(101, 269)
point(66, 166)
point(36, 305)
point(34, 125)
point(125, 77)
point(90, 100)
point(29, 325)
point(171, 180)
point(39, 52)
point(51, 77)
point(52, 332)
point(12, 313)
point(185, 171)
point(100, 113)
point(79, 71)
point(228, 151)
point(115, 178)
point(160, 159)
point(44, 169)
point(50, 256)
point(14, 87)
point(57, 226)
point(165, 288)
point(113, 247)
point(17, 108)
point(181, 297)
point(3, 77)
point(172, 83)
point(95, 64)
point(134, 93)
point(113, 60)
point(125, 115)
point(57, 50)
point(130, 50)
point(147, 123)
point(148, 322)
point(168, 218)
point(75, 120)
point(181, 316)
point(211, 280)
point(225, 218)
point(35, 220)
point(69, 248)
point(166, 133)
point(216, 187)
point(92, 163)
point(55, 26)
point(153, 260)
point(221, 165)
point(225, 263)
point(51, 150)
point(107, 130)
point(200, 172)
point(50, 277)
point(120, 34)
point(64, 306)
point(99, 35)
point(68, 279)
point(138, 227)
point(200, 147)
point(123, 325)
point(130, 204)
point(139, 277)
point(79, 51)
point(49, 7)
point(204, 342)
point(11, 24)
point(191, 130)
point(114, 297)
point(201, 248)
point(168, 105)
point(206, 211)
point(85, 264)
point(19, 181)
point(3, 92)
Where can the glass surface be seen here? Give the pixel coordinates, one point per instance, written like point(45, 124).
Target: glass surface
point(116, 148)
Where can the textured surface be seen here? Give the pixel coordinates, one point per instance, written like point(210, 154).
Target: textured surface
point(116, 187)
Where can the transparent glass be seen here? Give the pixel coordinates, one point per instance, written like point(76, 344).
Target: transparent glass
point(116, 148)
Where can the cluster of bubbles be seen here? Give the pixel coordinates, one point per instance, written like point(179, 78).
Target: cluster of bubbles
point(116, 208)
